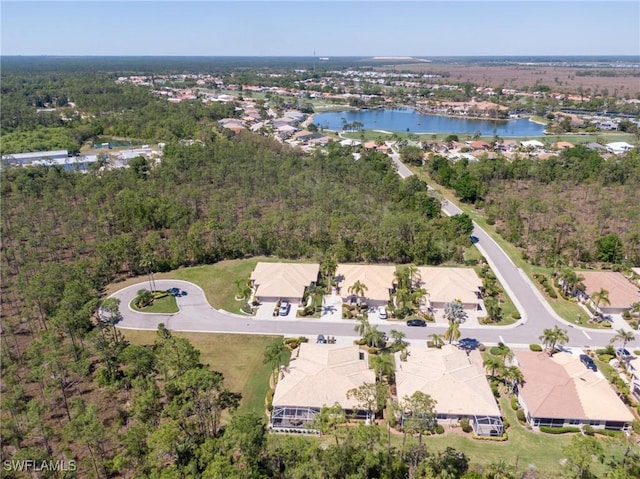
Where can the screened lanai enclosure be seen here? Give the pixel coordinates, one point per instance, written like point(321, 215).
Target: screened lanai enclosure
point(488, 426)
point(299, 417)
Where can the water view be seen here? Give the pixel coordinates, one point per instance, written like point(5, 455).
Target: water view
point(408, 120)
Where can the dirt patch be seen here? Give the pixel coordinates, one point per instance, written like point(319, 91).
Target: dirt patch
point(558, 78)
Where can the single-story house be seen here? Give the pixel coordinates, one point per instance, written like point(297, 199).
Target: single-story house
point(533, 144)
point(562, 145)
point(456, 380)
point(283, 281)
point(446, 284)
point(622, 293)
point(320, 375)
point(378, 280)
point(559, 391)
point(618, 147)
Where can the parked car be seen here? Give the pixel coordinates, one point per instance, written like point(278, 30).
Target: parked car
point(588, 362)
point(285, 306)
point(382, 312)
point(417, 322)
point(623, 353)
point(468, 343)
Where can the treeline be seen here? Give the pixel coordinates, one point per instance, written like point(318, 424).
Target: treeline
point(227, 198)
point(575, 207)
point(106, 109)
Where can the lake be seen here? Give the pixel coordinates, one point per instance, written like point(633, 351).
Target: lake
point(415, 122)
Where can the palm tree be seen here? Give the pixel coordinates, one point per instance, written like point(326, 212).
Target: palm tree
point(143, 298)
point(437, 341)
point(551, 337)
point(244, 290)
point(328, 267)
point(513, 376)
point(624, 336)
point(600, 297)
point(148, 262)
point(570, 281)
point(275, 353)
point(454, 312)
point(453, 332)
point(362, 327)
point(493, 363)
point(384, 366)
point(399, 343)
point(358, 289)
point(374, 338)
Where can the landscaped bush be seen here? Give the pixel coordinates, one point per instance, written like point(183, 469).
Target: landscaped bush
point(506, 424)
point(439, 429)
point(605, 358)
point(558, 430)
point(607, 432)
point(516, 315)
point(372, 351)
point(535, 348)
point(520, 415)
point(494, 389)
point(246, 308)
point(514, 404)
point(502, 438)
point(588, 430)
point(464, 424)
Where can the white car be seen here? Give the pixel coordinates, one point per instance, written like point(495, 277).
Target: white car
point(382, 312)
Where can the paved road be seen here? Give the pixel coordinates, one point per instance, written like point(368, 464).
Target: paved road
point(197, 315)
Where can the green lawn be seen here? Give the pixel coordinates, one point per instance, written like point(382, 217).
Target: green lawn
point(527, 448)
point(216, 280)
point(239, 357)
point(166, 304)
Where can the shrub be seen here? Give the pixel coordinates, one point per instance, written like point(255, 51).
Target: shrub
point(558, 430)
point(520, 415)
point(498, 350)
point(535, 347)
point(372, 351)
point(588, 430)
point(464, 424)
point(514, 403)
point(439, 429)
point(516, 315)
point(607, 432)
point(506, 424)
point(606, 324)
point(605, 358)
point(502, 438)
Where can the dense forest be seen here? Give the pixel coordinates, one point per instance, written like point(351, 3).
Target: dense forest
point(575, 208)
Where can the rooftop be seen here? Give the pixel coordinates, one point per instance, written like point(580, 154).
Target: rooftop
point(284, 280)
point(561, 387)
point(455, 379)
point(321, 375)
point(377, 278)
point(447, 284)
point(622, 293)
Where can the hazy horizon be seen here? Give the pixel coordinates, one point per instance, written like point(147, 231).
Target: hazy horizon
point(338, 29)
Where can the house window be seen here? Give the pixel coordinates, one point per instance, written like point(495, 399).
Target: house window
point(594, 423)
point(574, 422)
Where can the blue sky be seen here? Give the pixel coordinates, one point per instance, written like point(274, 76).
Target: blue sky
point(269, 28)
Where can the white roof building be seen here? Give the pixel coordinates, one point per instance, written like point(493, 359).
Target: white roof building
point(532, 144)
point(618, 147)
point(378, 280)
point(283, 280)
point(454, 378)
point(446, 284)
point(320, 375)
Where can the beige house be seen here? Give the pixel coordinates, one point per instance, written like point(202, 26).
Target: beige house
point(559, 391)
point(320, 375)
point(456, 380)
point(378, 279)
point(622, 293)
point(446, 284)
point(283, 281)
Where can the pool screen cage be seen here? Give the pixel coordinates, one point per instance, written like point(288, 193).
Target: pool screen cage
point(488, 426)
point(292, 417)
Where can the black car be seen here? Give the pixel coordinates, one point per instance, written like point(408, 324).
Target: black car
point(468, 343)
point(417, 322)
point(588, 362)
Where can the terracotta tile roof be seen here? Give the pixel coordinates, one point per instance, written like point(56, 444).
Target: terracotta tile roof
point(622, 293)
point(561, 387)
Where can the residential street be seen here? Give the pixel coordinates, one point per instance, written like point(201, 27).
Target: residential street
point(197, 315)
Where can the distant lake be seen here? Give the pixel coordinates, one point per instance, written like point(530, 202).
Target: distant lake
point(415, 122)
